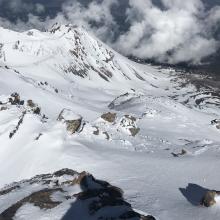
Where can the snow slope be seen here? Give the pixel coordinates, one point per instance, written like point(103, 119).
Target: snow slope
point(67, 67)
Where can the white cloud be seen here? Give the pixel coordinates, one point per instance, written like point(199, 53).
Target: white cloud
point(182, 31)
point(39, 8)
point(176, 34)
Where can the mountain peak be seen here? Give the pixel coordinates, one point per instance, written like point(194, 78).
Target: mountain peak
point(70, 50)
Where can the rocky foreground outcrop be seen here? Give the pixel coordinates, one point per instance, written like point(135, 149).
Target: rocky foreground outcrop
point(209, 199)
point(73, 121)
point(66, 195)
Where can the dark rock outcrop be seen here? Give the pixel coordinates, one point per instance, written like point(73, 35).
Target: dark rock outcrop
point(208, 199)
point(15, 99)
point(73, 121)
point(183, 152)
point(3, 108)
point(129, 123)
point(109, 117)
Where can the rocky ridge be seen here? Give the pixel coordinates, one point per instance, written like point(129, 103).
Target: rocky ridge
point(65, 195)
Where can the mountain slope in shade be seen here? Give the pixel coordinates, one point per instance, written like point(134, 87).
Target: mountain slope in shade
point(68, 100)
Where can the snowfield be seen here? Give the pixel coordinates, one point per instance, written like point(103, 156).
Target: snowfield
point(157, 140)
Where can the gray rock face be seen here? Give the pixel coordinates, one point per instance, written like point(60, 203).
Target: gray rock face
point(134, 131)
point(73, 125)
point(124, 101)
point(208, 199)
point(109, 117)
point(31, 104)
point(73, 121)
point(80, 195)
point(3, 108)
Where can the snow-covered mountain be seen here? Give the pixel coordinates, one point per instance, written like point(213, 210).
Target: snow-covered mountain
point(67, 100)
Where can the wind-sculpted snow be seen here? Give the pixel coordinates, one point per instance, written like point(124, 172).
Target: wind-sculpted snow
point(68, 100)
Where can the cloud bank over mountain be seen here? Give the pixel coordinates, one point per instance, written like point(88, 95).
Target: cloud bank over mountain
point(171, 31)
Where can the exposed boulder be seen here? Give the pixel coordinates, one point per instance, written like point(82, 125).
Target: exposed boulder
point(15, 99)
point(183, 152)
point(92, 198)
point(96, 131)
point(3, 108)
point(73, 121)
point(128, 122)
point(102, 133)
point(216, 123)
point(20, 121)
point(208, 199)
point(30, 103)
point(109, 117)
point(134, 131)
point(34, 107)
point(37, 110)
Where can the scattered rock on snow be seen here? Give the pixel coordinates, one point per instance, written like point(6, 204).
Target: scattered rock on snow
point(38, 137)
point(134, 131)
point(103, 134)
point(183, 152)
point(15, 99)
point(34, 107)
point(128, 122)
point(109, 117)
point(73, 121)
point(3, 108)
